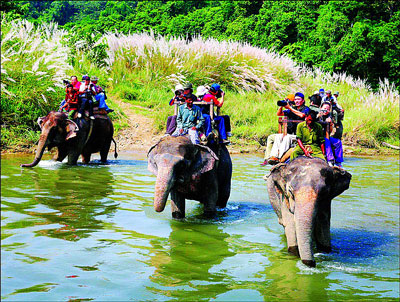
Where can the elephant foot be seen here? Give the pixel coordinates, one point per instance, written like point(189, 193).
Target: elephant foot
point(309, 263)
point(209, 214)
point(178, 215)
point(294, 250)
point(324, 248)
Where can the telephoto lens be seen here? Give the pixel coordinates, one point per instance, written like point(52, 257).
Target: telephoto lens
point(281, 103)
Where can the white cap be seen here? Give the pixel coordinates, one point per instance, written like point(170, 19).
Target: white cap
point(178, 87)
point(201, 90)
point(316, 92)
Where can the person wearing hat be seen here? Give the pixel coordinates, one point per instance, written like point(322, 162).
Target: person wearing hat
point(171, 120)
point(75, 84)
point(100, 95)
point(189, 119)
point(86, 93)
point(282, 144)
point(220, 120)
point(322, 93)
point(310, 138)
point(335, 105)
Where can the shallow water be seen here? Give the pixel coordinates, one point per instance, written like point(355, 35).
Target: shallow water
point(90, 233)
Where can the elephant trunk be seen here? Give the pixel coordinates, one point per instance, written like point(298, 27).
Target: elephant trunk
point(305, 212)
point(164, 183)
point(39, 152)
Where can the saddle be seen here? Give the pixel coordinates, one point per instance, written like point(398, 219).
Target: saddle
point(99, 113)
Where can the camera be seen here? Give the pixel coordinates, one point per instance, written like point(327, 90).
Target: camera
point(66, 82)
point(281, 103)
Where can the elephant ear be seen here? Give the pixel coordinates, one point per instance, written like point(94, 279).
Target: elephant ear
point(40, 121)
point(151, 162)
point(204, 161)
point(72, 128)
point(278, 188)
point(341, 181)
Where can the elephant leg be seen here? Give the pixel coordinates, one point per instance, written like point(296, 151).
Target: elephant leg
point(86, 157)
point(322, 231)
point(290, 230)
point(104, 151)
point(62, 153)
point(223, 196)
point(177, 205)
point(210, 199)
point(73, 158)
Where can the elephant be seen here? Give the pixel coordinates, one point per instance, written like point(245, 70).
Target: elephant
point(300, 193)
point(189, 171)
point(74, 137)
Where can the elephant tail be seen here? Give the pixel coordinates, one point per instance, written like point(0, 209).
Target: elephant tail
point(115, 148)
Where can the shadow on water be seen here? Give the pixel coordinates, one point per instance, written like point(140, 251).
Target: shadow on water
point(350, 246)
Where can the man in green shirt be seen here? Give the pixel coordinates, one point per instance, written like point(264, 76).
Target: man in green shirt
point(189, 119)
point(310, 138)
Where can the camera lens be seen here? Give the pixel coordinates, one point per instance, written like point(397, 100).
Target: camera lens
point(281, 103)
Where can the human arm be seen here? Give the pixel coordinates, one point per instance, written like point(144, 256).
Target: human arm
point(179, 118)
point(296, 112)
point(300, 143)
point(200, 119)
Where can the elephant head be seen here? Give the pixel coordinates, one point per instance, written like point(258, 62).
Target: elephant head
point(55, 130)
point(301, 193)
point(178, 164)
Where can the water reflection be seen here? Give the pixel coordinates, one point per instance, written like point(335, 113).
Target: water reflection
point(192, 250)
point(129, 252)
point(73, 200)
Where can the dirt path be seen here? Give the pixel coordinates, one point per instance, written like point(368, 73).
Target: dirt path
point(140, 135)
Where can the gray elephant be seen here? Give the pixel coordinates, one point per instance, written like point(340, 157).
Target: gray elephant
point(301, 193)
point(74, 137)
point(189, 171)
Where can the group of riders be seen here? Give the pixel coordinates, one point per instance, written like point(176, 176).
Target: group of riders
point(313, 131)
point(83, 95)
point(197, 121)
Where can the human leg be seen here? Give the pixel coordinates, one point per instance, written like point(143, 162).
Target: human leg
point(227, 122)
point(171, 124)
point(328, 150)
point(285, 144)
point(221, 128)
point(337, 150)
point(270, 143)
point(207, 124)
point(194, 136)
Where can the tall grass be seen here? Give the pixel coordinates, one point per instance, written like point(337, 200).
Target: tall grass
point(33, 64)
point(142, 69)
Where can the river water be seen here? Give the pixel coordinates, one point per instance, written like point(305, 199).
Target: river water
point(90, 233)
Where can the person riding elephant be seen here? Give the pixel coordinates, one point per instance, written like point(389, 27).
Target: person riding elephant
point(74, 137)
point(189, 171)
point(301, 193)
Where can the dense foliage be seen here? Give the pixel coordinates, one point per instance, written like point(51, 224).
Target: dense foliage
point(361, 38)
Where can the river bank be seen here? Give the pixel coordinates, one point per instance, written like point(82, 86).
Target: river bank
point(134, 131)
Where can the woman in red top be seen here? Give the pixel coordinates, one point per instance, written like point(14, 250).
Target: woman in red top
point(71, 101)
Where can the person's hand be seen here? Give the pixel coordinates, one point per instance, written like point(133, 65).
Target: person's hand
point(328, 120)
point(222, 93)
point(287, 106)
point(193, 128)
